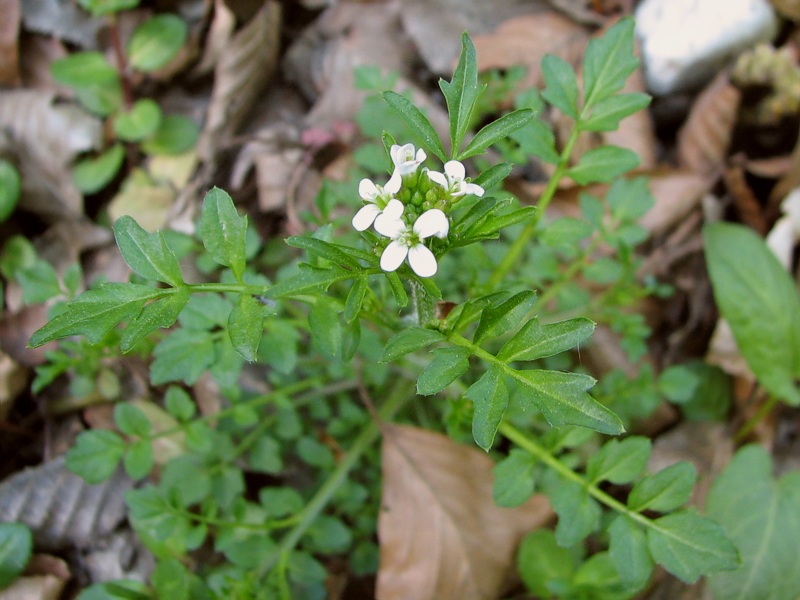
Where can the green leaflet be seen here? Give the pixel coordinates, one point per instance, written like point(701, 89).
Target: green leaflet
point(223, 231)
point(688, 546)
point(139, 122)
point(183, 356)
point(664, 491)
point(603, 164)
point(409, 340)
point(156, 42)
point(490, 397)
point(543, 564)
point(563, 400)
point(628, 550)
point(159, 314)
point(496, 131)
point(578, 513)
point(417, 122)
point(16, 546)
point(95, 455)
point(147, 253)
point(497, 319)
point(536, 341)
point(606, 114)
point(93, 174)
point(309, 279)
point(447, 365)
point(608, 62)
point(461, 93)
point(762, 517)
point(95, 312)
point(619, 461)
point(514, 479)
point(561, 85)
point(246, 327)
point(760, 302)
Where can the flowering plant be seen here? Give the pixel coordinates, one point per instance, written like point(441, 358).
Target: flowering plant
point(493, 354)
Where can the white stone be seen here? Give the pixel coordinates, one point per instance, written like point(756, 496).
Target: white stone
point(685, 42)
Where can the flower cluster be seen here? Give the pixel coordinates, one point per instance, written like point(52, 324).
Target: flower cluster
point(411, 207)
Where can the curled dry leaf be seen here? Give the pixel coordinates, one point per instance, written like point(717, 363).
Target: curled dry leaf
point(61, 508)
point(9, 42)
point(514, 43)
point(436, 25)
point(42, 139)
point(677, 193)
point(704, 139)
point(65, 21)
point(747, 204)
point(223, 24)
point(240, 75)
point(441, 535)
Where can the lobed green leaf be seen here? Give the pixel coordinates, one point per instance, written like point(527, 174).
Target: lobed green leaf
point(561, 85)
point(323, 249)
point(95, 312)
point(490, 396)
point(543, 564)
point(688, 546)
point(147, 253)
point(183, 356)
point(95, 455)
point(223, 230)
point(309, 279)
point(159, 314)
point(139, 122)
point(497, 319)
point(514, 479)
point(609, 61)
point(461, 93)
point(538, 139)
point(664, 491)
point(578, 513)
point(447, 365)
point(496, 131)
point(619, 461)
point(246, 326)
point(417, 122)
point(325, 326)
point(603, 164)
point(131, 420)
point(628, 550)
point(93, 174)
point(535, 341)
point(563, 400)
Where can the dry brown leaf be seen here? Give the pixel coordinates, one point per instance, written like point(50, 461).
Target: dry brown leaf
point(219, 35)
point(61, 508)
point(441, 535)
point(13, 380)
point(676, 194)
point(704, 138)
point(42, 139)
point(524, 40)
point(241, 74)
point(44, 579)
point(788, 8)
point(9, 42)
point(65, 21)
point(747, 204)
point(436, 25)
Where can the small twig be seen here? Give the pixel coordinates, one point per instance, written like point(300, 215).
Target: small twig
point(122, 63)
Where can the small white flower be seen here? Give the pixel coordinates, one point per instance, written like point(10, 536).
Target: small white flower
point(405, 159)
point(377, 198)
point(407, 240)
point(452, 180)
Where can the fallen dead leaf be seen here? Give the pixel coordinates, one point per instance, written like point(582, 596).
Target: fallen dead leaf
point(63, 20)
point(676, 192)
point(145, 200)
point(747, 205)
point(704, 138)
point(61, 508)
point(513, 42)
point(436, 25)
point(223, 24)
point(240, 75)
point(13, 380)
point(788, 8)
point(42, 139)
point(441, 535)
point(9, 42)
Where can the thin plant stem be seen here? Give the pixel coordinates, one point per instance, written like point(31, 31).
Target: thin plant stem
point(518, 246)
point(753, 421)
point(317, 504)
point(122, 63)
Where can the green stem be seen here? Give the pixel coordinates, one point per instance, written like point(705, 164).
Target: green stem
point(753, 421)
point(521, 242)
point(520, 439)
point(317, 504)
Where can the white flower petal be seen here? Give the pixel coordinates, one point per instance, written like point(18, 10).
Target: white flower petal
point(393, 185)
point(474, 188)
point(368, 190)
point(455, 170)
point(393, 256)
point(389, 227)
point(421, 156)
point(432, 222)
point(399, 153)
point(394, 209)
point(421, 260)
point(365, 216)
point(439, 178)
